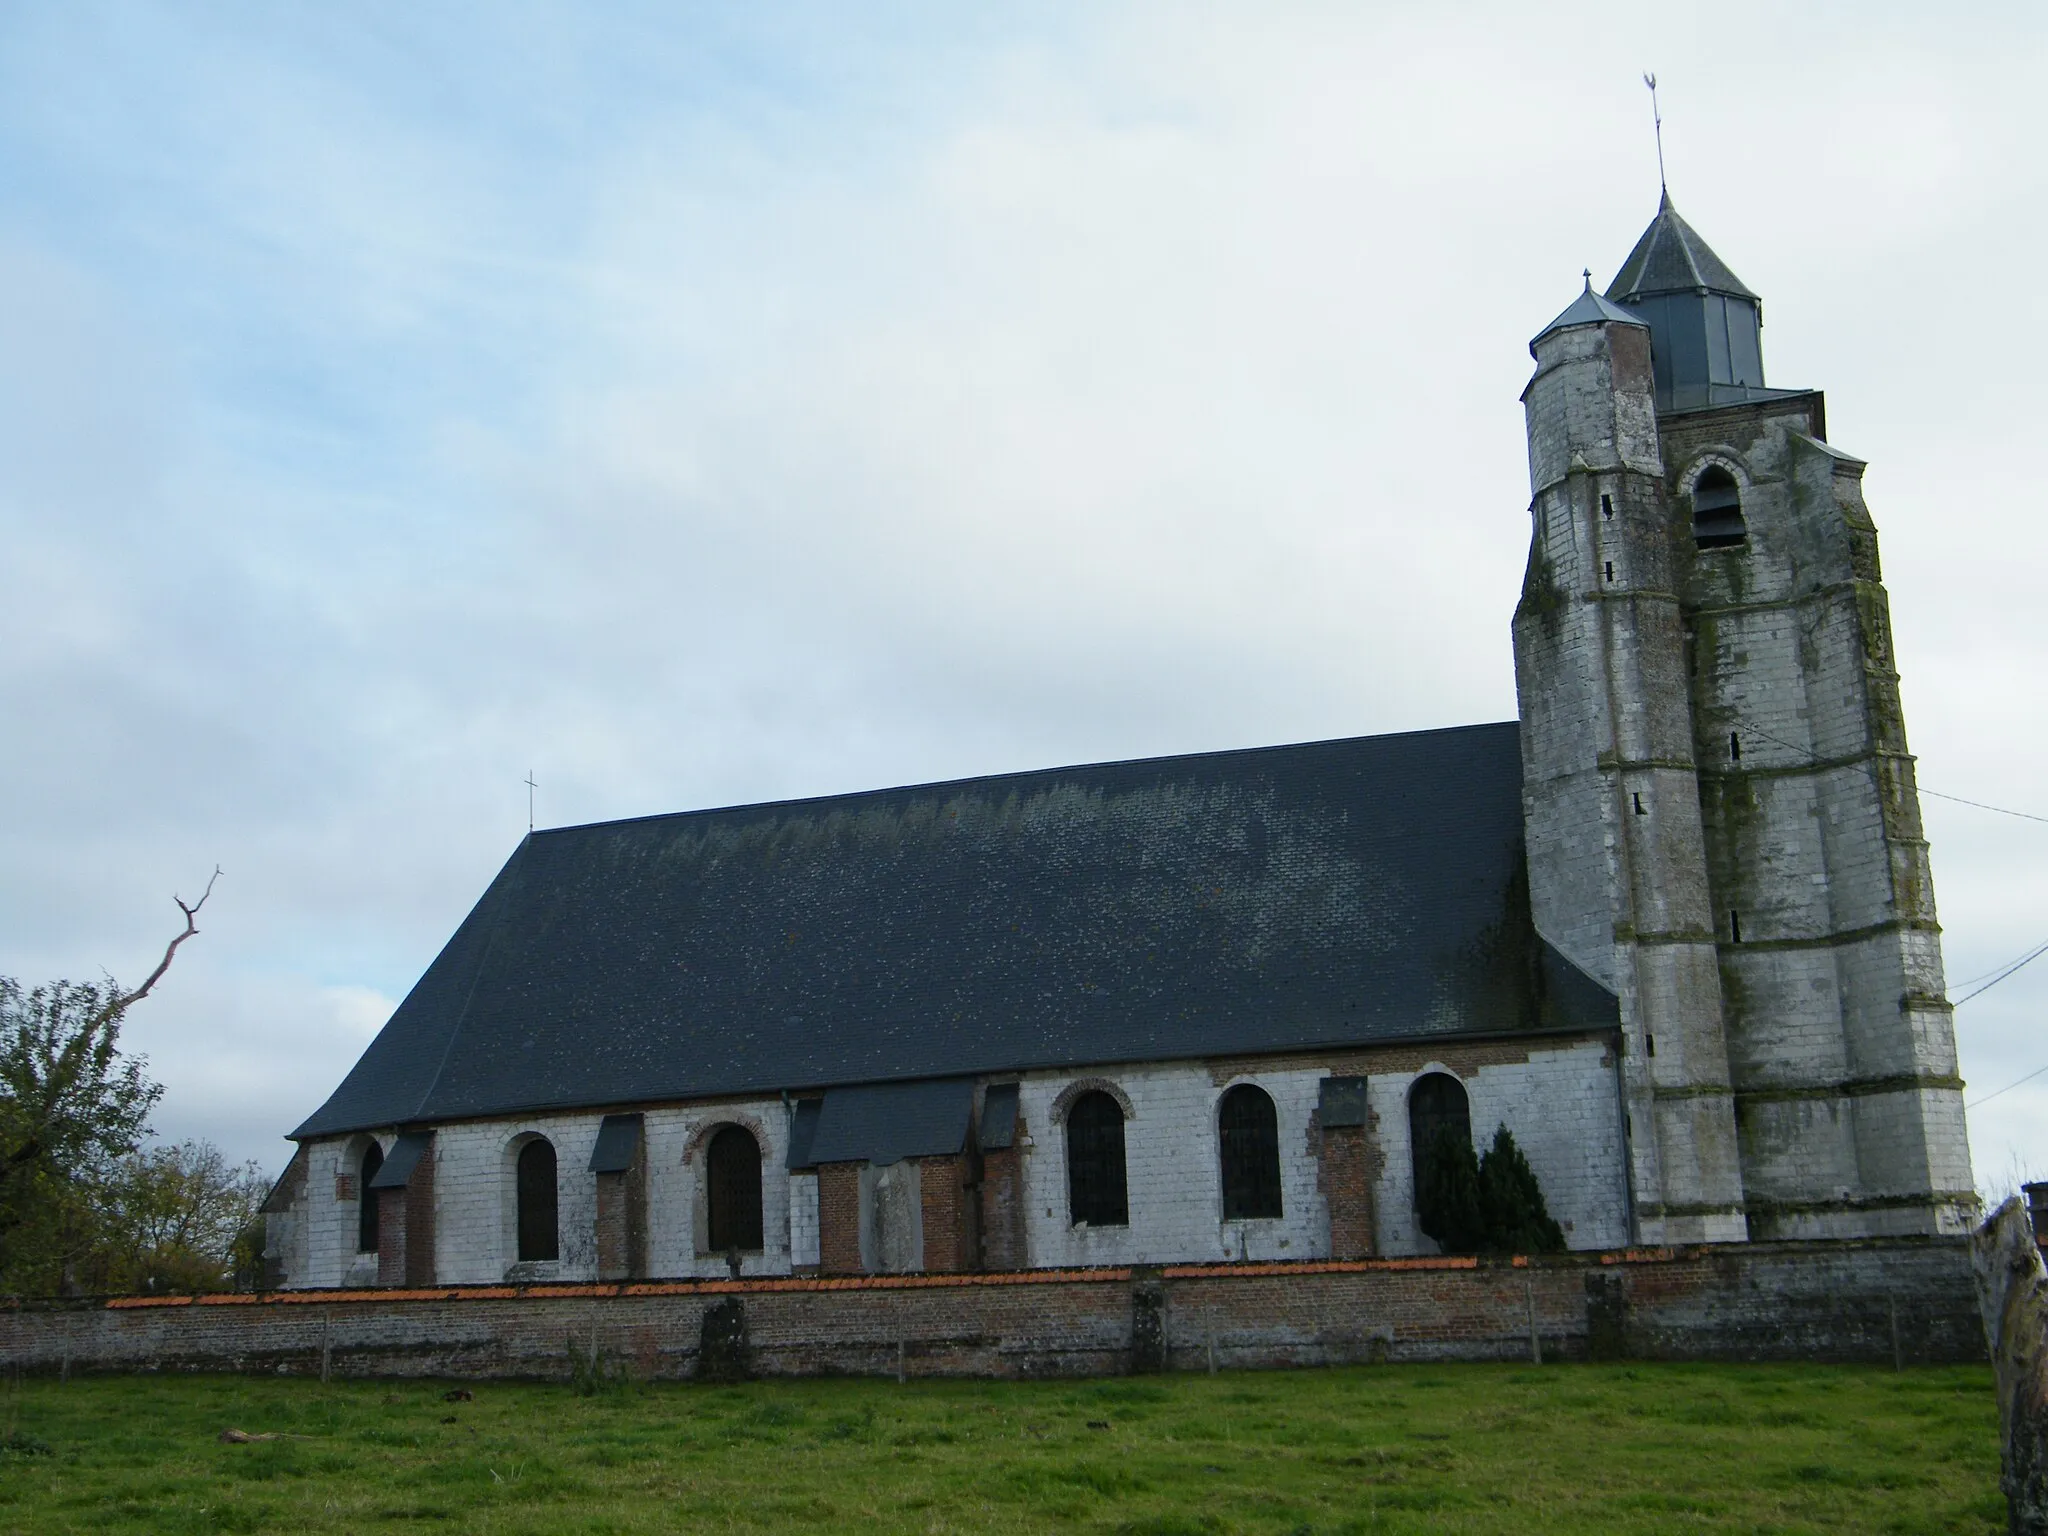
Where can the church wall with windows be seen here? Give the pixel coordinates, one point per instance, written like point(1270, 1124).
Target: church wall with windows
point(1172, 1169)
point(327, 1235)
point(1558, 1098)
point(1564, 1111)
point(477, 1206)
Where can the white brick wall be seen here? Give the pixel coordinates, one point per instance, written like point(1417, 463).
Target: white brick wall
point(1172, 1173)
point(803, 1219)
point(1563, 1111)
point(1560, 1104)
point(328, 1225)
point(475, 1212)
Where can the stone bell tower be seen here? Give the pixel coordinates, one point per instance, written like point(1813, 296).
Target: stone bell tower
point(1722, 820)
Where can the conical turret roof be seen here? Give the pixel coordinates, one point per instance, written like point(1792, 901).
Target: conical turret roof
point(1589, 309)
point(1672, 258)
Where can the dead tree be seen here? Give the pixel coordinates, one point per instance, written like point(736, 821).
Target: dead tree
point(2012, 1291)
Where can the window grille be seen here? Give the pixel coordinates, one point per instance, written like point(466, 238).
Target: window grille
point(733, 1174)
point(1096, 1193)
point(1437, 1100)
point(539, 1233)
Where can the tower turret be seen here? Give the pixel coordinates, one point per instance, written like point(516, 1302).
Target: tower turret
point(1617, 859)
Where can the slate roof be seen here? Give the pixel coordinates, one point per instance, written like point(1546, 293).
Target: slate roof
point(1672, 258)
point(1589, 308)
point(1227, 903)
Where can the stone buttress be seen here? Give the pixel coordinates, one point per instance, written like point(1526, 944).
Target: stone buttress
point(1841, 1043)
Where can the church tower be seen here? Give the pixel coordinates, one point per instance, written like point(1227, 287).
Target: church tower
point(1722, 820)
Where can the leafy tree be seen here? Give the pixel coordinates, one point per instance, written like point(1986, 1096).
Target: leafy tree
point(171, 1220)
point(1490, 1204)
point(71, 1107)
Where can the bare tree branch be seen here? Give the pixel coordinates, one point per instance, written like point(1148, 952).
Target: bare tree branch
point(59, 1074)
point(119, 1004)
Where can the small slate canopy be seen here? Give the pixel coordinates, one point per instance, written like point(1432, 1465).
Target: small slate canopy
point(998, 1118)
point(887, 1122)
point(1589, 308)
point(803, 1130)
point(618, 1143)
point(405, 1156)
point(1344, 1103)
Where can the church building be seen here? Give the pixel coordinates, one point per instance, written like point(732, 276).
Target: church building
point(1673, 928)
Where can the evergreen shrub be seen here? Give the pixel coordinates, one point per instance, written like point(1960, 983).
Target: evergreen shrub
point(1490, 1204)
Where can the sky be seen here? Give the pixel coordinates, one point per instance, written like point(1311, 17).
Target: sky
point(696, 405)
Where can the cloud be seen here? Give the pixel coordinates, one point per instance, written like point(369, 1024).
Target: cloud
point(695, 410)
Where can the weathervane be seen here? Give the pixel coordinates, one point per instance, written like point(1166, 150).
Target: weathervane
point(531, 786)
point(1657, 118)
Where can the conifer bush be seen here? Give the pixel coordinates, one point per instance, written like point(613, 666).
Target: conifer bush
point(1490, 1204)
point(1447, 1195)
point(1516, 1219)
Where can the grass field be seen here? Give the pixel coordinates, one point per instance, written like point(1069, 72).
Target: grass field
point(1388, 1448)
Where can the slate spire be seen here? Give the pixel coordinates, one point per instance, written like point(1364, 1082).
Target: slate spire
point(1672, 258)
point(1705, 322)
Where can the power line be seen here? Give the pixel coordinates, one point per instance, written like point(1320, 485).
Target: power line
point(1994, 976)
point(2027, 959)
point(1959, 800)
point(2001, 970)
point(2034, 954)
point(2008, 1088)
point(1814, 762)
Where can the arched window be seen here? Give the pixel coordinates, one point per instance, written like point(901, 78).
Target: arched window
point(1249, 1130)
point(733, 1175)
point(1717, 510)
point(366, 1208)
point(1096, 1194)
point(539, 1233)
point(1437, 1100)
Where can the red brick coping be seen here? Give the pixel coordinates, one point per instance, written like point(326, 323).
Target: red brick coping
point(715, 1287)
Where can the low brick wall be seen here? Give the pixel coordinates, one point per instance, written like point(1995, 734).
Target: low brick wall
point(1910, 1300)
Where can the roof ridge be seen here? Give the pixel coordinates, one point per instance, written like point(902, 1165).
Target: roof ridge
point(1679, 230)
point(928, 785)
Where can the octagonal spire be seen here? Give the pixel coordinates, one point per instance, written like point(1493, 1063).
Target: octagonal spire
point(1705, 323)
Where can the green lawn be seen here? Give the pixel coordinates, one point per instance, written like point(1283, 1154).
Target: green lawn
point(1387, 1448)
